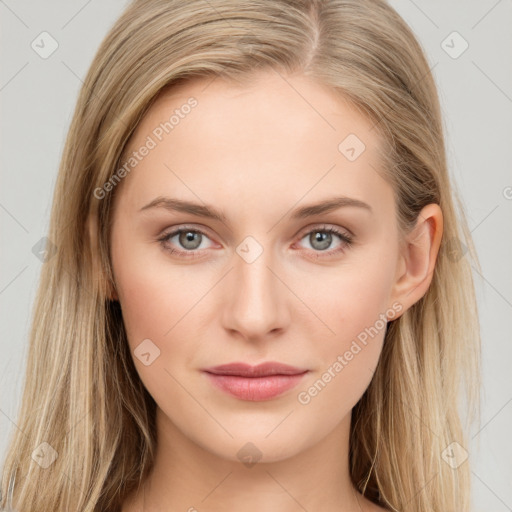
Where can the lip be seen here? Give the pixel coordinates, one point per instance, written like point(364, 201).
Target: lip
point(255, 383)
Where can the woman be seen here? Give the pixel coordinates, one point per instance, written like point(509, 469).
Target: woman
point(258, 297)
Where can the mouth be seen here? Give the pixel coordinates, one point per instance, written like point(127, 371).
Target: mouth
point(255, 383)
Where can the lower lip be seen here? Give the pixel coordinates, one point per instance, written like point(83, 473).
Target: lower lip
point(255, 388)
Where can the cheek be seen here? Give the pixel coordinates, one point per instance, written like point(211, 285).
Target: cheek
point(154, 294)
point(160, 302)
point(353, 304)
point(348, 357)
point(154, 304)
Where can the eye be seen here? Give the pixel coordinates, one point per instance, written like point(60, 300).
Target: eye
point(187, 238)
point(321, 238)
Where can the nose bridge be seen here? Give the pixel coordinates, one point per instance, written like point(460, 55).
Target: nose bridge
point(257, 304)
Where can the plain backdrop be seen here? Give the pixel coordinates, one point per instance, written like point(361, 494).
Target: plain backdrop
point(473, 70)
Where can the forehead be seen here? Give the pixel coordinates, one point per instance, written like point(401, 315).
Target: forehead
point(276, 133)
point(294, 103)
point(267, 104)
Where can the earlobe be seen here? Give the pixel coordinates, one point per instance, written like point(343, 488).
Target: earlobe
point(418, 257)
point(98, 270)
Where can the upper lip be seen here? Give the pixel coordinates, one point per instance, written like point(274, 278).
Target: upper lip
point(260, 370)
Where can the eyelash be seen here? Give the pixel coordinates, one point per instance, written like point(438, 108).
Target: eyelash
point(344, 237)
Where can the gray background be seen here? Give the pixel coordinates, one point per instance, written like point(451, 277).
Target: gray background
point(37, 97)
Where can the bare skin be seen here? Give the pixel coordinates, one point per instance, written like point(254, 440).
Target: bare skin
point(257, 154)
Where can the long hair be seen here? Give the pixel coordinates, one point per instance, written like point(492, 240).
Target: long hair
point(85, 412)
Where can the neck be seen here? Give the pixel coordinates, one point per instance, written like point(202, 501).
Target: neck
point(186, 476)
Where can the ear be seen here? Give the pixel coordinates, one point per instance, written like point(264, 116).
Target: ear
point(415, 267)
point(98, 270)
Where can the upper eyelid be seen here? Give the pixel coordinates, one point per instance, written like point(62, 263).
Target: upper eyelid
point(325, 226)
point(176, 230)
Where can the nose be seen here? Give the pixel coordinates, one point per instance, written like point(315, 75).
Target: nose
point(258, 300)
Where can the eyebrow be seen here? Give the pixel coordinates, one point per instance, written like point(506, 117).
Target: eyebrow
point(179, 205)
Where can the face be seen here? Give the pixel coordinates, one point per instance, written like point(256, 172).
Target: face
point(268, 277)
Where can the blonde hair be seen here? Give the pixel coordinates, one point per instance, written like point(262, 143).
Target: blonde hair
point(82, 394)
